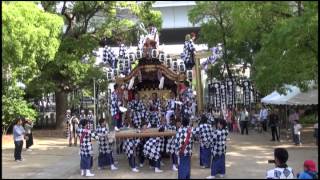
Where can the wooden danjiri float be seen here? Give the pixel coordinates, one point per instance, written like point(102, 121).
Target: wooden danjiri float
point(155, 72)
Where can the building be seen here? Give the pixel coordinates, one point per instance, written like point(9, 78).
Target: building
point(175, 21)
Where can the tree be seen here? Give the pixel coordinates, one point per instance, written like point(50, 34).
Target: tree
point(284, 39)
point(83, 32)
point(217, 26)
point(30, 38)
point(278, 39)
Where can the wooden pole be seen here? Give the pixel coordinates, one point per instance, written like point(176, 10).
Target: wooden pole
point(199, 85)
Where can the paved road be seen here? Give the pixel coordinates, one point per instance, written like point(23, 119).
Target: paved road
point(246, 158)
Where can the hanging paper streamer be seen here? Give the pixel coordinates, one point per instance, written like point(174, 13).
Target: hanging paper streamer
point(131, 83)
point(246, 92)
point(159, 75)
point(161, 83)
point(139, 76)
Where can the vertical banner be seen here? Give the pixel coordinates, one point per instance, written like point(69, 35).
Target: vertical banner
point(223, 94)
point(246, 92)
point(230, 92)
point(256, 96)
point(216, 95)
point(210, 93)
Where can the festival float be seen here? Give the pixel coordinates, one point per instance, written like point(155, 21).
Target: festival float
point(145, 70)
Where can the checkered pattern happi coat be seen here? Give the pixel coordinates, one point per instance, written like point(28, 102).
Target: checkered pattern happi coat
point(188, 50)
point(154, 108)
point(170, 148)
point(204, 134)
point(219, 142)
point(152, 148)
point(114, 107)
point(138, 112)
point(130, 145)
point(186, 111)
point(91, 121)
point(187, 94)
point(171, 105)
point(104, 145)
point(85, 141)
point(180, 139)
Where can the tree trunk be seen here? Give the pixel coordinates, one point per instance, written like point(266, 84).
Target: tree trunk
point(61, 107)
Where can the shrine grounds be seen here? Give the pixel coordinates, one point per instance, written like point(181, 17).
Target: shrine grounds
point(246, 157)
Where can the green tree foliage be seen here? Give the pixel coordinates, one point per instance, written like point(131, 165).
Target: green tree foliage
point(86, 24)
point(30, 39)
point(289, 54)
point(125, 30)
point(217, 26)
point(278, 38)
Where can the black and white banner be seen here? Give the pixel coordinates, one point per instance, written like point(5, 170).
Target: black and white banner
point(216, 95)
point(223, 94)
point(230, 92)
point(210, 93)
point(246, 92)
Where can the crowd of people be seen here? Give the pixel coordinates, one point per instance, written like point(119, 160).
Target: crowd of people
point(174, 114)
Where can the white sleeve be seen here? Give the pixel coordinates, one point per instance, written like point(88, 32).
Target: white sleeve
point(270, 174)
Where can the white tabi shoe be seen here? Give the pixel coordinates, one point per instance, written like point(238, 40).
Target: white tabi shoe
point(210, 177)
point(113, 168)
point(174, 168)
point(82, 172)
point(88, 173)
point(157, 170)
point(135, 170)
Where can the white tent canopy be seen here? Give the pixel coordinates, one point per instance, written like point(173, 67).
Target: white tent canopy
point(306, 98)
point(270, 96)
point(278, 99)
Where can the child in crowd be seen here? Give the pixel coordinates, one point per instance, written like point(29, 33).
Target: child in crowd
point(183, 148)
point(310, 171)
point(281, 170)
point(219, 138)
point(86, 150)
point(204, 132)
point(105, 152)
point(297, 127)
